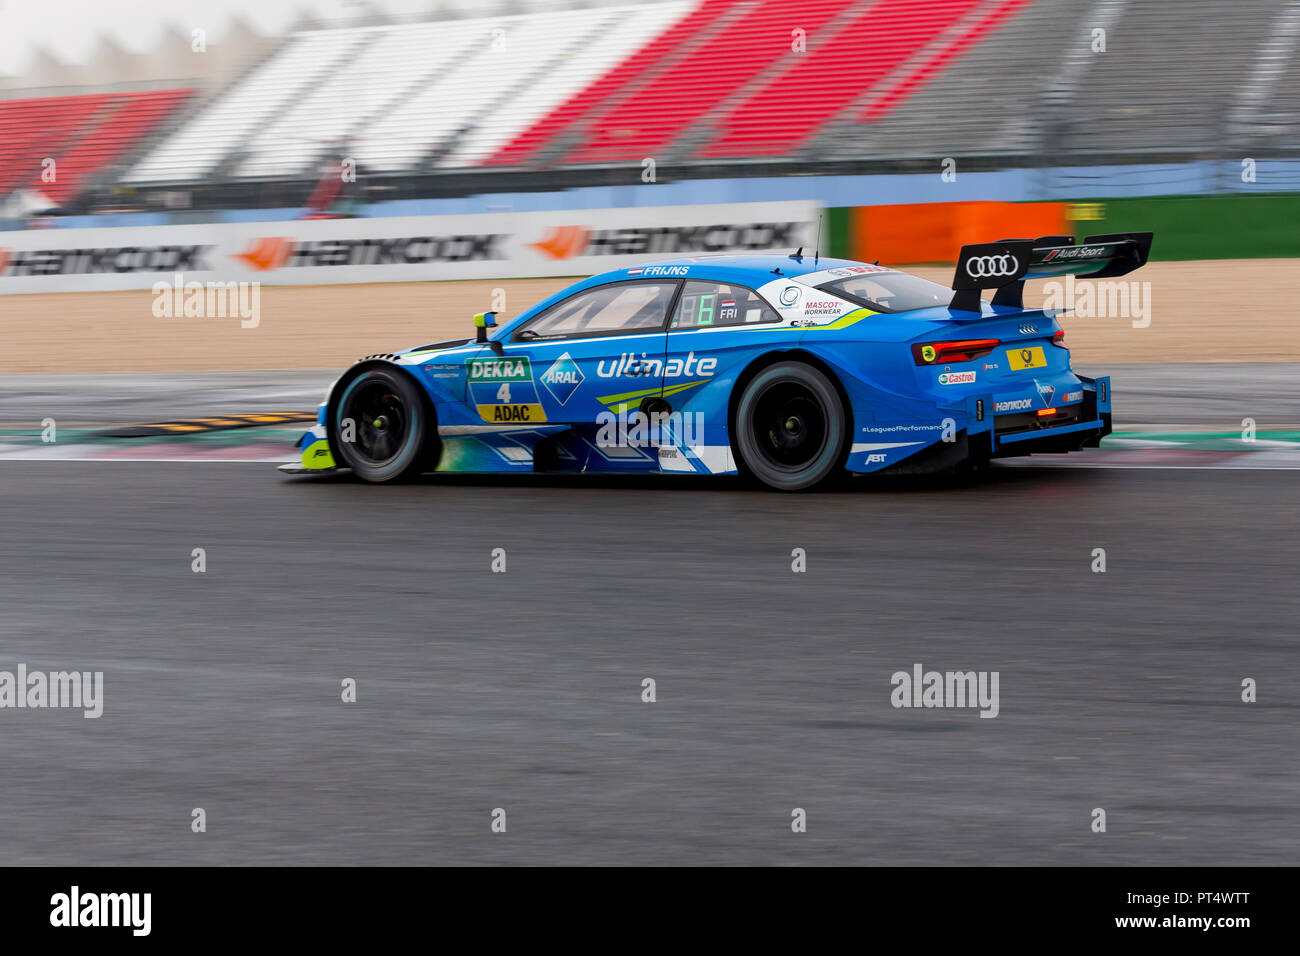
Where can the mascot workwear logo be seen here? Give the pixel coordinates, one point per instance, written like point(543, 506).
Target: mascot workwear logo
point(563, 378)
point(273, 252)
point(568, 242)
point(117, 259)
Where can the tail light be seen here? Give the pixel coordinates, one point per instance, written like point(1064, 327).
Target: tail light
point(940, 353)
point(1058, 339)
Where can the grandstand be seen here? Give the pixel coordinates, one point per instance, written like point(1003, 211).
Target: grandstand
point(84, 134)
point(701, 86)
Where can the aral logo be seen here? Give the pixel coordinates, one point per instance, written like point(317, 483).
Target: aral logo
point(562, 378)
point(499, 370)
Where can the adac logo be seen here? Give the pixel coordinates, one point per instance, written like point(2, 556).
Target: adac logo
point(267, 253)
point(563, 242)
point(563, 378)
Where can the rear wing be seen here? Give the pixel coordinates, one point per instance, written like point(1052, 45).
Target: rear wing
point(1006, 264)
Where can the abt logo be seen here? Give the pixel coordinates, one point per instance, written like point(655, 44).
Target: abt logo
point(875, 458)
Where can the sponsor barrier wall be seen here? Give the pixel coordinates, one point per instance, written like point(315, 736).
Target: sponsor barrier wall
point(397, 249)
point(1203, 227)
point(934, 232)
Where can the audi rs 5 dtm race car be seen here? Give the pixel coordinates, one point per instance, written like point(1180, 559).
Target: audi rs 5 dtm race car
point(790, 369)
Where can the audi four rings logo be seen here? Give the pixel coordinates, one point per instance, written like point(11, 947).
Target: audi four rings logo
point(985, 267)
point(1028, 329)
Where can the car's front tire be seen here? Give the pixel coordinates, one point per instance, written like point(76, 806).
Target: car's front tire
point(381, 425)
point(791, 427)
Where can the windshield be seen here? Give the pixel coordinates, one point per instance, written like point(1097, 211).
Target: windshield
point(890, 291)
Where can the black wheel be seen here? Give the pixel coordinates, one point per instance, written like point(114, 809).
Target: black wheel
point(790, 427)
point(380, 426)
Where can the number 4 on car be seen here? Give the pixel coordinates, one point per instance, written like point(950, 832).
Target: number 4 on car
point(791, 370)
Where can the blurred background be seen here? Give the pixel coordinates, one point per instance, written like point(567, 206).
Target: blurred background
point(531, 139)
point(177, 112)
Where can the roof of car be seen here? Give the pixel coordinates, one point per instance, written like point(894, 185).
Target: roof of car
point(753, 269)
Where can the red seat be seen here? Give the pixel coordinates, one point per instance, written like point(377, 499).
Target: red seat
point(82, 134)
point(726, 74)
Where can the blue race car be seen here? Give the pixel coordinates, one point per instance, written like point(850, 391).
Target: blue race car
point(790, 369)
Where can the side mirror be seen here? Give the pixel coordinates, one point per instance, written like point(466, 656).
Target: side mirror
point(482, 322)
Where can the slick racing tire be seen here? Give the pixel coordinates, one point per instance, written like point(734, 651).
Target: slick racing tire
point(391, 426)
point(791, 427)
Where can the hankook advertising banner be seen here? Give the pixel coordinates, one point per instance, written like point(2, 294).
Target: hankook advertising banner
point(397, 249)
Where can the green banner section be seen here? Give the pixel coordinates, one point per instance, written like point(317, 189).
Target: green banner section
point(835, 232)
point(1266, 226)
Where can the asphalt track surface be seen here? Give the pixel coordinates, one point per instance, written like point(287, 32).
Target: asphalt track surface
point(523, 690)
point(1200, 394)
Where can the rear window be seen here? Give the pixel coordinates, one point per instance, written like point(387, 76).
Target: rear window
point(890, 291)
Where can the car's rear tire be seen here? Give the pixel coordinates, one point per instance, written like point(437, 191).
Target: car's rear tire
point(790, 427)
point(392, 430)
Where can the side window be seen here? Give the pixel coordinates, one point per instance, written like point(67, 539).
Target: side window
point(706, 305)
point(617, 309)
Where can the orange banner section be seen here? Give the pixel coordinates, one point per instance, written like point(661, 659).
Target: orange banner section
point(934, 232)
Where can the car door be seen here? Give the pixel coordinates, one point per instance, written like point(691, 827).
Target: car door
point(697, 349)
point(598, 350)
